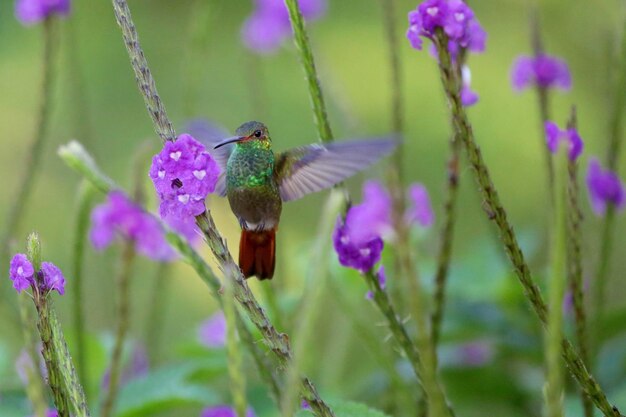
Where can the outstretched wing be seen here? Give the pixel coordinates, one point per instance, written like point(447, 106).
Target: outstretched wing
point(312, 168)
point(210, 134)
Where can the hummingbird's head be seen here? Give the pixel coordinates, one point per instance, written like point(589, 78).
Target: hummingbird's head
point(248, 132)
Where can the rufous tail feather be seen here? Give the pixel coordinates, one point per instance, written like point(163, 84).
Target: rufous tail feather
point(257, 253)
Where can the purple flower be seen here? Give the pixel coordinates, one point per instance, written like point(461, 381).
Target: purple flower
point(268, 26)
point(53, 278)
point(420, 211)
point(223, 411)
point(304, 404)
point(21, 272)
point(183, 174)
point(34, 11)
point(475, 353)
point(554, 136)
point(382, 281)
point(119, 215)
point(605, 187)
point(544, 71)
point(361, 257)
point(212, 332)
point(455, 18)
point(371, 218)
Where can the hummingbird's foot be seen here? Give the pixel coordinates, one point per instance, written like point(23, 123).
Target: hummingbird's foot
point(242, 223)
point(260, 227)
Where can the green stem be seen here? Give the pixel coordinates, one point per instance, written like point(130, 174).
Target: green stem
point(301, 40)
point(574, 262)
point(556, 284)
point(158, 308)
point(613, 152)
point(496, 212)
point(235, 368)
point(162, 125)
point(123, 313)
point(34, 385)
point(86, 195)
point(446, 239)
point(32, 163)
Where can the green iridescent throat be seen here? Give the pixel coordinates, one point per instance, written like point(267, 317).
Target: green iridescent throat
point(250, 165)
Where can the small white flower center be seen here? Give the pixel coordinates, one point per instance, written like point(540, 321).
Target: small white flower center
point(175, 155)
point(161, 174)
point(20, 270)
point(183, 198)
point(199, 174)
point(365, 252)
point(345, 240)
point(459, 17)
point(432, 11)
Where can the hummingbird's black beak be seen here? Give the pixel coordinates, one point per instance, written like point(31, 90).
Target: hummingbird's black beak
point(226, 141)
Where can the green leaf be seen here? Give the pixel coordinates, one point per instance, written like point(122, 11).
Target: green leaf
point(163, 389)
point(348, 409)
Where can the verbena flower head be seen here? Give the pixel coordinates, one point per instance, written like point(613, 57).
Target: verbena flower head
point(605, 188)
point(212, 332)
point(120, 216)
point(30, 12)
point(183, 174)
point(361, 256)
point(268, 26)
point(23, 275)
point(544, 71)
point(21, 272)
point(371, 218)
point(223, 411)
point(420, 210)
point(454, 17)
point(554, 137)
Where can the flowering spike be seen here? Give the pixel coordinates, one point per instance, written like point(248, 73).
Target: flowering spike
point(361, 257)
point(605, 187)
point(554, 137)
point(544, 71)
point(30, 12)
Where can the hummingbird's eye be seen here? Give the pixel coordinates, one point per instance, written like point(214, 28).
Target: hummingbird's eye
point(257, 133)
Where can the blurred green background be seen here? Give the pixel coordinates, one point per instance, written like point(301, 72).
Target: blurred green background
point(202, 70)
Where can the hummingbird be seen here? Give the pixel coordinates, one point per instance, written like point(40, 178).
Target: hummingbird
point(257, 181)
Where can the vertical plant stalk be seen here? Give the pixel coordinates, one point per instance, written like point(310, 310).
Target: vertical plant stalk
point(556, 286)
point(574, 262)
point(543, 99)
point(613, 153)
point(301, 40)
point(496, 212)
point(77, 87)
point(66, 389)
point(158, 307)
point(235, 364)
point(278, 342)
point(32, 163)
point(86, 195)
point(35, 389)
point(123, 312)
point(445, 241)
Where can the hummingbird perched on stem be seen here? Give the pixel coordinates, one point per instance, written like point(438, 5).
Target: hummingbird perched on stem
point(257, 181)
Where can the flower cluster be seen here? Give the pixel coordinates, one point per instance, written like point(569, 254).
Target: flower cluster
point(268, 26)
point(23, 275)
point(224, 411)
point(212, 332)
point(358, 240)
point(34, 11)
point(454, 17)
point(554, 137)
point(120, 216)
point(183, 174)
point(544, 71)
point(605, 188)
